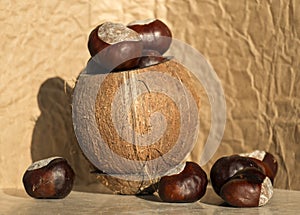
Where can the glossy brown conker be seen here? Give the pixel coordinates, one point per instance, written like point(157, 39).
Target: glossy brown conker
point(249, 187)
point(50, 178)
point(155, 34)
point(266, 161)
point(187, 186)
point(150, 58)
point(115, 47)
point(225, 167)
point(272, 165)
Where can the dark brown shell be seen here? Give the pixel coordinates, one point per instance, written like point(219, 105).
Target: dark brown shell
point(53, 181)
point(156, 35)
point(123, 55)
point(187, 186)
point(244, 189)
point(226, 167)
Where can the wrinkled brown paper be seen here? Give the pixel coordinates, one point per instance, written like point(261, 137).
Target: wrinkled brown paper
point(254, 47)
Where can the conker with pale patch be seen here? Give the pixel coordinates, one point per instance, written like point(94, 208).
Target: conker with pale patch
point(226, 167)
point(50, 178)
point(186, 186)
point(247, 188)
point(155, 34)
point(266, 161)
point(115, 47)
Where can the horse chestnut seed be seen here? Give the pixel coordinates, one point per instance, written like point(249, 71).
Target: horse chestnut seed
point(51, 178)
point(247, 188)
point(187, 186)
point(150, 58)
point(115, 47)
point(270, 161)
point(266, 161)
point(226, 167)
point(155, 34)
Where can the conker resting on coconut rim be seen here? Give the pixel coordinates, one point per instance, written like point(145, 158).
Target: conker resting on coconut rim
point(150, 58)
point(155, 34)
point(116, 47)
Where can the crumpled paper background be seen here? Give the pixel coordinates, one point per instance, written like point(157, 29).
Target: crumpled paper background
point(254, 47)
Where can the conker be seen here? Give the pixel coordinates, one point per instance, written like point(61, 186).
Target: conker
point(266, 161)
point(155, 34)
point(271, 164)
point(50, 178)
point(226, 167)
point(150, 58)
point(247, 188)
point(115, 46)
point(187, 186)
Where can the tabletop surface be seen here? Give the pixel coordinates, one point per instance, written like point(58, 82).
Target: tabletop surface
point(13, 201)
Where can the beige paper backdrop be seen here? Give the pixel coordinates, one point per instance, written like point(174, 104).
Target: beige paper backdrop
point(253, 45)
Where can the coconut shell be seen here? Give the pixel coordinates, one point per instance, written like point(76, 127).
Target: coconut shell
point(140, 122)
point(118, 185)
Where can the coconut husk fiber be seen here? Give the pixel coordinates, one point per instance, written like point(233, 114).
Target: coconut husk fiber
point(142, 122)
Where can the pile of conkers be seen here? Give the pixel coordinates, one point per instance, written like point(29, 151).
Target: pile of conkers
point(116, 47)
point(244, 180)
